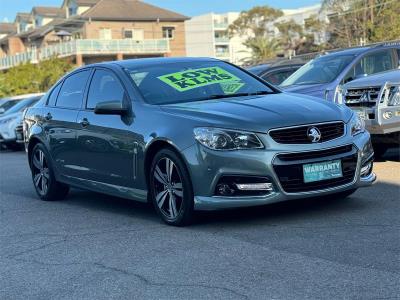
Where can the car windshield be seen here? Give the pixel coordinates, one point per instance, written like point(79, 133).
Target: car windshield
point(320, 70)
point(194, 81)
point(7, 104)
point(21, 105)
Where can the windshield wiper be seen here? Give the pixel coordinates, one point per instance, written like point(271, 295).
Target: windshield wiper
point(222, 96)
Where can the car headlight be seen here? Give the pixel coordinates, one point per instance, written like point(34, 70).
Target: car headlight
point(394, 96)
point(224, 139)
point(357, 124)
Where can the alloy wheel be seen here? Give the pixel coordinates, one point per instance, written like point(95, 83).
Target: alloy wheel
point(41, 175)
point(168, 188)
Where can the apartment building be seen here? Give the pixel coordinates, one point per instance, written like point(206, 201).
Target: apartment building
point(206, 35)
point(88, 31)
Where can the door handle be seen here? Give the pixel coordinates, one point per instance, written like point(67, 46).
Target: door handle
point(84, 122)
point(48, 117)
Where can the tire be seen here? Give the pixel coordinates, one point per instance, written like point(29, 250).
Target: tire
point(46, 185)
point(171, 192)
point(342, 195)
point(380, 150)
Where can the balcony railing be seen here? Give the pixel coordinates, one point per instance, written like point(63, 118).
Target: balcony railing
point(221, 25)
point(222, 39)
point(88, 47)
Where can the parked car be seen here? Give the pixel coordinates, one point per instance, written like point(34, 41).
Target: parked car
point(191, 134)
point(322, 76)
point(376, 99)
point(275, 73)
point(7, 103)
point(11, 119)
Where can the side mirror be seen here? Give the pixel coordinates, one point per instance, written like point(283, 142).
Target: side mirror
point(2, 110)
point(110, 108)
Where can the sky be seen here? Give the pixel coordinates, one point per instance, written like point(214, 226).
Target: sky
point(8, 8)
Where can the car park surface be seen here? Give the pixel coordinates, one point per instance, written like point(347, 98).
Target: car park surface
point(93, 246)
point(218, 138)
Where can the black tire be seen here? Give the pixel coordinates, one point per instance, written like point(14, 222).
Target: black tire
point(171, 192)
point(44, 182)
point(380, 150)
point(342, 195)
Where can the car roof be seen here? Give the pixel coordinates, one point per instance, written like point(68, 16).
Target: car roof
point(25, 96)
point(141, 62)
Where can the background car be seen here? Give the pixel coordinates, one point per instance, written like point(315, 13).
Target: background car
point(322, 76)
point(11, 119)
point(276, 72)
point(7, 103)
point(376, 98)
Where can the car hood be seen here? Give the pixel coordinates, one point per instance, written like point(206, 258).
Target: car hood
point(316, 90)
point(260, 113)
point(10, 116)
point(376, 79)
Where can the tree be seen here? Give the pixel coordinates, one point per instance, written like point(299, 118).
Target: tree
point(291, 35)
point(255, 23)
point(262, 49)
point(386, 25)
point(355, 22)
point(32, 78)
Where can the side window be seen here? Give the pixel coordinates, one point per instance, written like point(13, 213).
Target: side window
point(277, 77)
point(375, 62)
point(53, 96)
point(398, 58)
point(104, 87)
point(71, 93)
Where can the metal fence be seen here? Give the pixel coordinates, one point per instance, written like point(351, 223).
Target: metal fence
point(88, 47)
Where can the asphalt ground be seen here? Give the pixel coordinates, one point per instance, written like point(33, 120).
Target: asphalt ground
point(92, 246)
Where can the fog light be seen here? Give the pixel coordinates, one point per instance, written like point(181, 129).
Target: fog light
point(266, 186)
point(225, 190)
point(387, 115)
point(365, 170)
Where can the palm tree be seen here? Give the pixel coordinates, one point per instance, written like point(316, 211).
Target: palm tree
point(262, 48)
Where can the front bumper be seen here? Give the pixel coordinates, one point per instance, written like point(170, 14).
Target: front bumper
point(207, 167)
point(376, 120)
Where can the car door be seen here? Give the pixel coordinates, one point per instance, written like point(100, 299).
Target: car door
point(105, 142)
point(59, 121)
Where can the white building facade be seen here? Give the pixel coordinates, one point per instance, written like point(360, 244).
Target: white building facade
point(206, 36)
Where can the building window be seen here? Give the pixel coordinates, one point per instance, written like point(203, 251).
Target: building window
point(168, 32)
point(72, 11)
point(128, 34)
point(136, 34)
point(105, 34)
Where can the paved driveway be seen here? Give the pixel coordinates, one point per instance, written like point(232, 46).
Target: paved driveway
point(92, 246)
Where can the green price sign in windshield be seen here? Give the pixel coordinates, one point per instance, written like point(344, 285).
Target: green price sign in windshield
point(191, 79)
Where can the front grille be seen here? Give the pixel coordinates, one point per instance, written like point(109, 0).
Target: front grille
point(289, 169)
point(315, 154)
point(362, 97)
point(19, 129)
point(299, 135)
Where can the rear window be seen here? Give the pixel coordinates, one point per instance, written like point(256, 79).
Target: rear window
point(193, 81)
